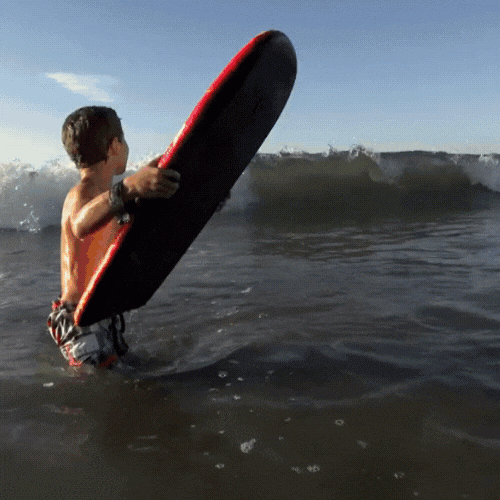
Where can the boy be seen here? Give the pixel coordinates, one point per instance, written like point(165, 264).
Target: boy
point(92, 211)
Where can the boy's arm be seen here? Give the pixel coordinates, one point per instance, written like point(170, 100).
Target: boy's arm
point(148, 182)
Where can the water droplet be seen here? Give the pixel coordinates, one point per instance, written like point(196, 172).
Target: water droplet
point(248, 446)
point(399, 475)
point(220, 466)
point(48, 384)
point(339, 422)
point(313, 468)
point(223, 374)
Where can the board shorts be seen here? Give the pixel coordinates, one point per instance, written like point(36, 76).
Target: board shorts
point(100, 344)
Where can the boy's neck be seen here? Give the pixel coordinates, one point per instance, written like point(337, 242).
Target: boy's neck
point(101, 174)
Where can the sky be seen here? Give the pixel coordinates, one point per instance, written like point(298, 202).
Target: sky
point(390, 75)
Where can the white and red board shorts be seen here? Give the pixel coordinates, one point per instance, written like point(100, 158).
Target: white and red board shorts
point(100, 344)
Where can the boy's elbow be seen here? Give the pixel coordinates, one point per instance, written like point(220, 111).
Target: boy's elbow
point(81, 235)
point(80, 230)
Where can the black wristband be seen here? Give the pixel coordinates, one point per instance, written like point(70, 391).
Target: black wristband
point(117, 204)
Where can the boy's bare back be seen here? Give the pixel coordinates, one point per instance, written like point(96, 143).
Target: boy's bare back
point(80, 257)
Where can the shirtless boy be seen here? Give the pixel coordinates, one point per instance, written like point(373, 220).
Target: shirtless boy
point(91, 215)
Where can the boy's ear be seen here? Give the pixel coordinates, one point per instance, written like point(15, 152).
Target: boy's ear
point(114, 147)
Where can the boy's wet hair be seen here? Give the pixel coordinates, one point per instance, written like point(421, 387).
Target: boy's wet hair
point(88, 132)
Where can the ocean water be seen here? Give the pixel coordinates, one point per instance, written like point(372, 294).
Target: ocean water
point(333, 333)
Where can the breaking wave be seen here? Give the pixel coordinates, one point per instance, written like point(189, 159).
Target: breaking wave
point(294, 185)
point(359, 183)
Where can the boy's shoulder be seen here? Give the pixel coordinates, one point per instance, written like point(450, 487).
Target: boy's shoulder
point(80, 194)
point(73, 194)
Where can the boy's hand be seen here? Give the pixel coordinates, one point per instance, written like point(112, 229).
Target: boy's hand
point(151, 182)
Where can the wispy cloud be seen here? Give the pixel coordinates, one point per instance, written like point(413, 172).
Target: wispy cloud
point(86, 85)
